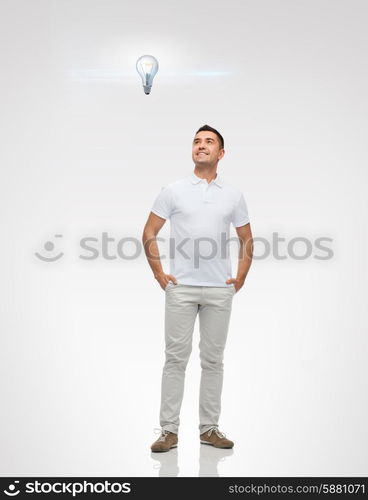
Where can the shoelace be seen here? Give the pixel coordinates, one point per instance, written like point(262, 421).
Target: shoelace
point(217, 432)
point(163, 434)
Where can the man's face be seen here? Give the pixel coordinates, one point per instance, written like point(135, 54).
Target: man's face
point(206, 148)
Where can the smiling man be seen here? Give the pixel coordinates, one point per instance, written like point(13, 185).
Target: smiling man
point(201, 208)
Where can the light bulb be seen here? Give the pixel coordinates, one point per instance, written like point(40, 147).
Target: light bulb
point(147, 67)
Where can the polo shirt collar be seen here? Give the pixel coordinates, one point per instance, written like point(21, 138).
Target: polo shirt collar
point(195, 179)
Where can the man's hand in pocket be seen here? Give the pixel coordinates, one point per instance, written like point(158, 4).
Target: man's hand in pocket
point(164, 279)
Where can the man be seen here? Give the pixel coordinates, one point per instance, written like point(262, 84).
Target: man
point(200, 208)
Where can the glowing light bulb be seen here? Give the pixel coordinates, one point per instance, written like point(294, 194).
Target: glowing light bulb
point(147, 67)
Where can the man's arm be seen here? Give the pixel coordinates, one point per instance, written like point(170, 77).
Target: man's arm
point(151, 229)
point(245, 255)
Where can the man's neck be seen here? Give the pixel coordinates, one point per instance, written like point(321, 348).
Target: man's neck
point(206, 173)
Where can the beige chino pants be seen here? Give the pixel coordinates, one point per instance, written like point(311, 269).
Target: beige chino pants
point(182, 304)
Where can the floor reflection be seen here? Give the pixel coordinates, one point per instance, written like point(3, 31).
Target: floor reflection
point(167, 463)
point(209, 458)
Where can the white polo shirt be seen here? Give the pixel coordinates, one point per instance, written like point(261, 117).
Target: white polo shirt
point(200, 214)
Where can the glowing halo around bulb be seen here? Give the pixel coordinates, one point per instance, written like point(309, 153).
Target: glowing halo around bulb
point(147, 67)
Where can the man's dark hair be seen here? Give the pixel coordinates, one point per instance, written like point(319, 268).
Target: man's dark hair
point(211, 129)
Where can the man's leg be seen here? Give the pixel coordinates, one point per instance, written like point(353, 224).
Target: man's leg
point(214, 318)
point(181, 308)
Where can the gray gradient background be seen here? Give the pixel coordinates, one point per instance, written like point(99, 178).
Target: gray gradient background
point(85, 151)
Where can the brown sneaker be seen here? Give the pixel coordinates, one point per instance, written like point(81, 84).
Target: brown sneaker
point(216, 438)
point(165, 442)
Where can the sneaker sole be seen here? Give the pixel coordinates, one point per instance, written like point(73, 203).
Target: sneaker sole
point(164, 451)
point(210, 444)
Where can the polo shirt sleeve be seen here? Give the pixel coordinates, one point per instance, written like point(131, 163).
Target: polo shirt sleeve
point(240, 215)
point(162, 205)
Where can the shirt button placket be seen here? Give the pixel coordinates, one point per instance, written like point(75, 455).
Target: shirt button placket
point(206, 192)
